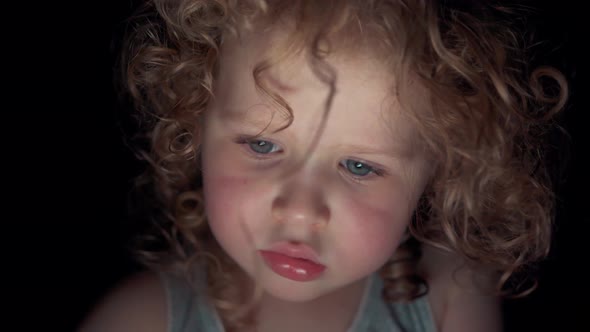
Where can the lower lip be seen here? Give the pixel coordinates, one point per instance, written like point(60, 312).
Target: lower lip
point(296, 269)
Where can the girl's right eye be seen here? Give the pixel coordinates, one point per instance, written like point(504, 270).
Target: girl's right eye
point(262, 146)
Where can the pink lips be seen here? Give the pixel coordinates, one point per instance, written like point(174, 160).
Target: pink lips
point(297, 262)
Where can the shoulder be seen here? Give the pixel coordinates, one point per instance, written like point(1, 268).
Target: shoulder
point(136, 304)
point(457, 303)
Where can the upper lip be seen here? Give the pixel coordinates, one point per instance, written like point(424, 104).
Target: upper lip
point(295, 250)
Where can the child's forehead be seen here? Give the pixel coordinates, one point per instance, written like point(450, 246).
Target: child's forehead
point(257, 58)
point(282, 41)
point(290, 74)
point(283, 60)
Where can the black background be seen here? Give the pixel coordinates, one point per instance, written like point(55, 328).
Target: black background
point(72, 169)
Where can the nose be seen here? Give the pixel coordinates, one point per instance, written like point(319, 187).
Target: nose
point(301, 201)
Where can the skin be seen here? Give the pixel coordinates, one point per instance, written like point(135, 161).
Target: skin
point(257, 196)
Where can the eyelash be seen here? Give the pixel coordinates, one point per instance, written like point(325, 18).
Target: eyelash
point(247, 140)
point(373, 170)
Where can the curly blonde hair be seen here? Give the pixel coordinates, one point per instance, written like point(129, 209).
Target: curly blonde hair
point(489, 199)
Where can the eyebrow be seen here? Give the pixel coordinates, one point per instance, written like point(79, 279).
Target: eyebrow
point(241, 117)
point(406, 153)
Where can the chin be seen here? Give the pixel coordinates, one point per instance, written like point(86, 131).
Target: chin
point(293, 291)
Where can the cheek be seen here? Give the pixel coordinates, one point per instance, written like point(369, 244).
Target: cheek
point(222, 195)
point(236, 197)
point(222, 190)
point(234, 208)
point(225, 199)
point(374, 229)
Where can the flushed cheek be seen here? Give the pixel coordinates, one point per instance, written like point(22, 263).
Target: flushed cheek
point(222, 196)
point(231, 205)
point(371, 234)
point(225, 198)
point(233, 192)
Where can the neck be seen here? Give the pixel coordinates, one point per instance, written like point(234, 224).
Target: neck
point(331, 312)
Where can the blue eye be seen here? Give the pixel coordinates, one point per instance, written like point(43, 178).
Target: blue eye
point(357, 168)
point(263, 147)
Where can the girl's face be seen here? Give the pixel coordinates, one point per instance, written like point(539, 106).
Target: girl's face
point(305, 218)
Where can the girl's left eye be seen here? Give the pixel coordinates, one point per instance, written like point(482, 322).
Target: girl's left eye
point(358, 168)
point(263, 147)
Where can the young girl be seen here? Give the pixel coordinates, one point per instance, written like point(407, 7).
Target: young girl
point(335, 166)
